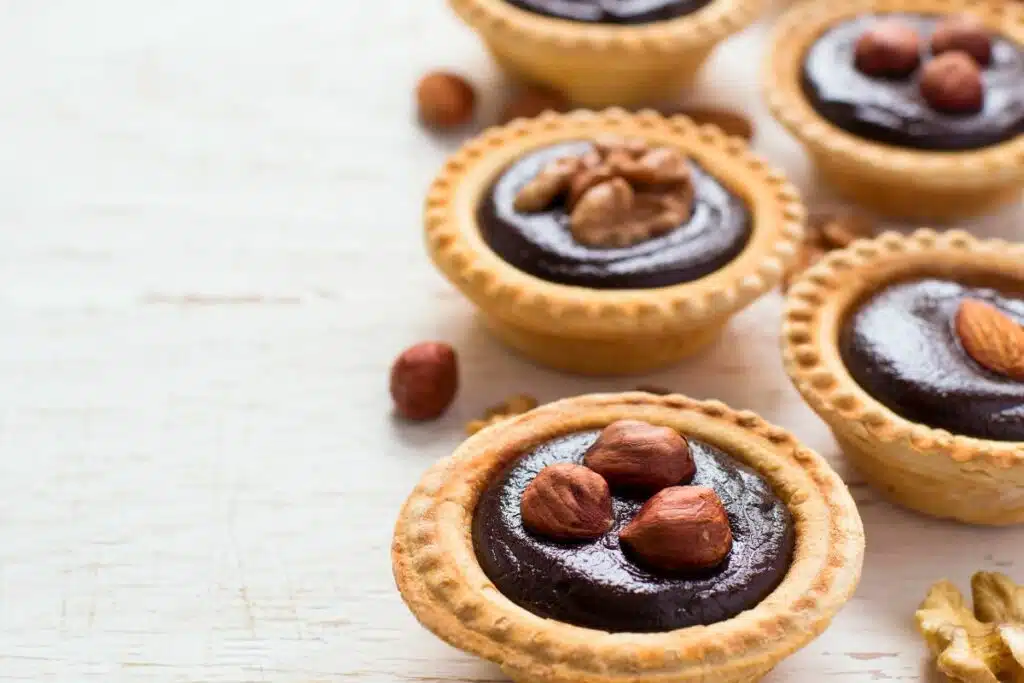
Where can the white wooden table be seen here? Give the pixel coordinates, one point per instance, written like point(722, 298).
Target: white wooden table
point(209, 254)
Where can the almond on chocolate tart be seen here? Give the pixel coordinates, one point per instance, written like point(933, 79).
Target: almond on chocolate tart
point(629, 537)
point(610, 243)
point(912, 107)
point(912, 349)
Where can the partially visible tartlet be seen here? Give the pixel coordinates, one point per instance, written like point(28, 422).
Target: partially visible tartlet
point(596, 300)
point(911, 348)
point(601, 63)
point(855, 142)
point(438, 552)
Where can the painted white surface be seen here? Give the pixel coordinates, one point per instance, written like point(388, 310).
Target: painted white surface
point(209, 254)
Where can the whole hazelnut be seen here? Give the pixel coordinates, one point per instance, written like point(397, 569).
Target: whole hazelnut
point(445, 100)
point(681, 528)
point(966, 34)
point(424, 379)
point(567, 502)
point(952, 83)
point(889, 49)
point(532, 101)
point(637, 455)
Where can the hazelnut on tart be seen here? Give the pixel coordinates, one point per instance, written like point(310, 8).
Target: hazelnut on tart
point(610, 243)
point(911, 348)
point(602, 53)
point(914, 108)
point(524, 548)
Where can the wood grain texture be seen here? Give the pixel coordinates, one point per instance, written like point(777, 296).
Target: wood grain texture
point(209, 254)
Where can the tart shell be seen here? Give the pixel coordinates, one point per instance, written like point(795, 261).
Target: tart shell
point(600, 65)
point(926, 469)
point(914, 184)
point(609, 331)
point(443, 584)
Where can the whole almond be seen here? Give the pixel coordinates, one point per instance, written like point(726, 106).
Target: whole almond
point(992, 338)
point(445, 100)
point(681, 528)
point(636, 455)
point(567, 502)
point(424, 379)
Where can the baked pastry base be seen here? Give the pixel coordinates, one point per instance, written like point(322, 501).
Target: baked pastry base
point(903, 183)
point(601, 65)
point(603, 80)
point(609, 331)
point(441, 580)
point(925, 469)
point(602, 357)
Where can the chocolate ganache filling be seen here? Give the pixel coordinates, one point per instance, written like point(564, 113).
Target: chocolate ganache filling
point(902, 347)
point(893, 111)
point(611, 11)
point(541, 243)
point(595, 584)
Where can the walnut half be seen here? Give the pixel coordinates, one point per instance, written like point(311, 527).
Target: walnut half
point(622, 192)
point(983, 646)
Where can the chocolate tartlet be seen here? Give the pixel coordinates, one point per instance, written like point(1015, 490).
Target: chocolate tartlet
point(597, 584)
point(893, 110)
point(540, 243)
point(911, 348)
point(441, 572)
point(902, 348)
point(614, 12)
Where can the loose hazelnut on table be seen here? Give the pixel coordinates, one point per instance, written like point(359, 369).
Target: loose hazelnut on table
point(424, 379)
point(637, 455)
point(890, 49)
point(567, 502)
point(966, 34)
point(952, 83)
point(681, 528)
point(445, 100)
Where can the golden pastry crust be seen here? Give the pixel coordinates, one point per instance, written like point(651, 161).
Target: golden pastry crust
point(928, 469)
point(958, 183)
point(524, 301)
point(600, 65)
point(538, 33)
point(442, 583)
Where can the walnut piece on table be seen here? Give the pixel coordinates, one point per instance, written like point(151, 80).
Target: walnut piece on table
point(985, 645)
point(509, 408)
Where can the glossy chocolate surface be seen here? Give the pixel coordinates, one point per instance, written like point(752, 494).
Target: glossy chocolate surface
point(902, 347)
point(893, 111)
point(595, 584)
point(541, 244)
point(611, 11)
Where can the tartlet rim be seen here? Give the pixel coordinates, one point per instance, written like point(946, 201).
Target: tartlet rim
point(801, 25)
point(818, 301)
point(441, 581)
point(497, 19)
point(457, 249)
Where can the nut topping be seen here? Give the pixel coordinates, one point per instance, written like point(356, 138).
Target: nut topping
point(680, 528)
point(986, 646)
point(966, 34)
point(445, 100)
point(620, 193)
point(952, 83)
point(567, 502)
point(889, 49)
point(424, 379)
point(637, 455)
point(991, 338)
